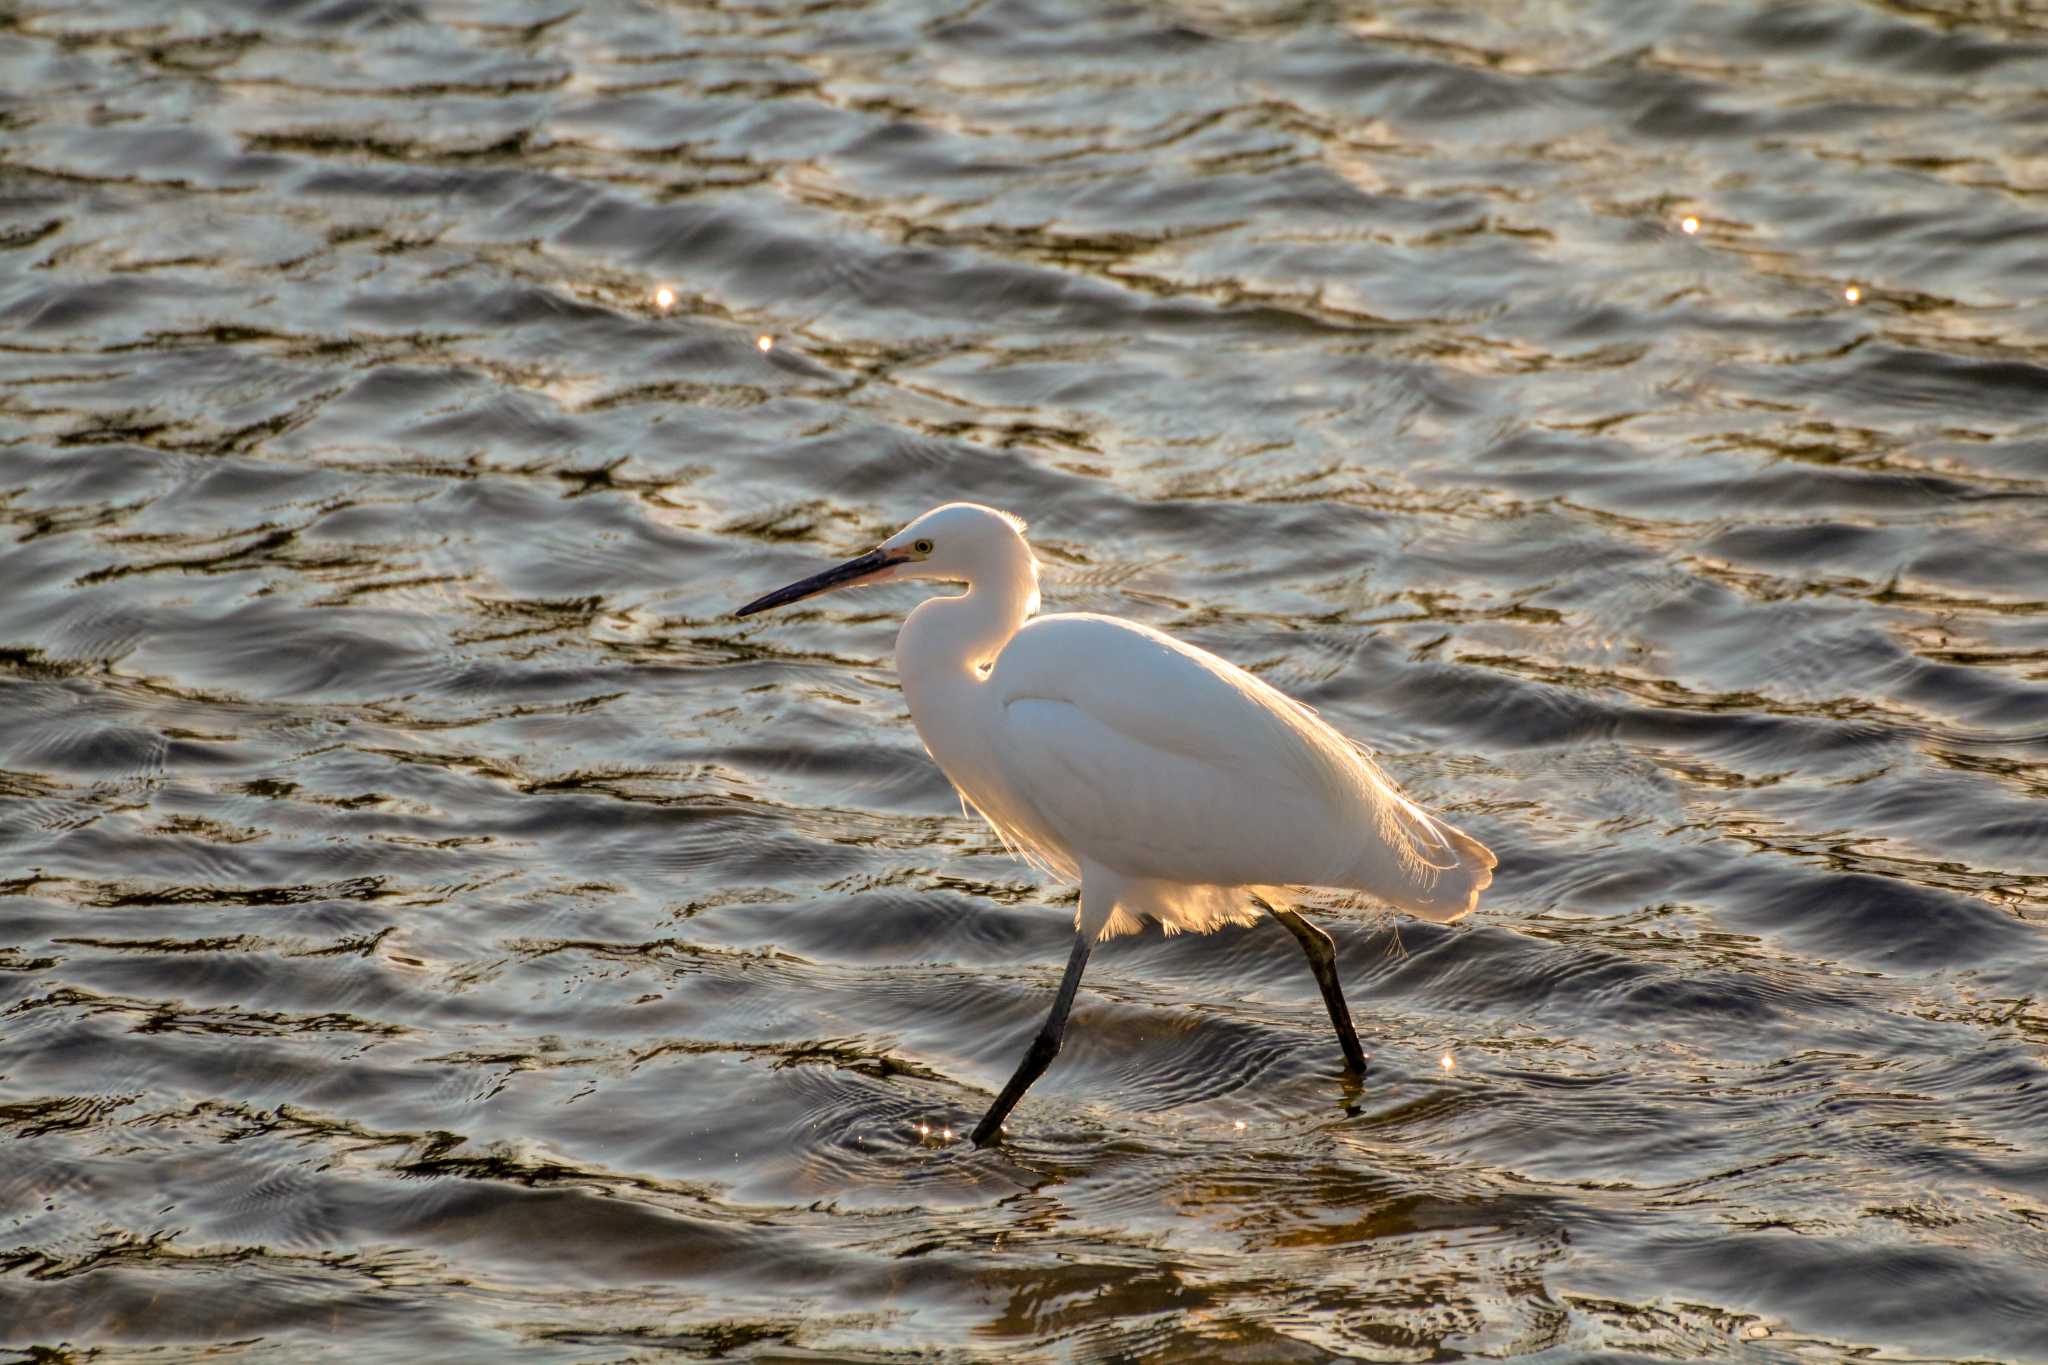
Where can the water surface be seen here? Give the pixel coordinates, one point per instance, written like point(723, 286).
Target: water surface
point(430, 928)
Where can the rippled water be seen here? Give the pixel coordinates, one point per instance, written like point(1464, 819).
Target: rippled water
point(430, 928)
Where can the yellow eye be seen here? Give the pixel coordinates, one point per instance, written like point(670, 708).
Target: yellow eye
point(923, 547)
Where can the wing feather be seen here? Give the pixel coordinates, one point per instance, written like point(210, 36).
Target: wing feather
point(1167, 763)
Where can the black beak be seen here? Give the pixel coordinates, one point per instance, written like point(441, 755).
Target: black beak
point(846, 575)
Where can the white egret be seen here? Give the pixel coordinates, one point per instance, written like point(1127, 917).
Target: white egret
point(1171, 784)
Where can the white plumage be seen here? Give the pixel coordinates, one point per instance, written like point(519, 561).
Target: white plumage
point(1171, 784)
point(1199, 784)
point(1181, 783)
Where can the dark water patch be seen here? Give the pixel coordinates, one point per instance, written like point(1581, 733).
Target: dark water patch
point(2005, 1312)
point(169, 1017)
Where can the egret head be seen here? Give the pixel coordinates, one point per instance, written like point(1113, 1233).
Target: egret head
point(961, 542)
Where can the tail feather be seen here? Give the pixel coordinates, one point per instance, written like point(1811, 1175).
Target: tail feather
point(1441, 871)
point(1457, 889)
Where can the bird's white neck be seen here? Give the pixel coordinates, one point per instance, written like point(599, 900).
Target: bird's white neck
point(943, 656)
point(950, 641)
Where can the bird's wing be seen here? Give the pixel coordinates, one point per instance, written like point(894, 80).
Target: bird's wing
point(1167, 762)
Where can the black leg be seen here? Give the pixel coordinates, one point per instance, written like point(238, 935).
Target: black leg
point(1043, 1048)
point(1322, 960)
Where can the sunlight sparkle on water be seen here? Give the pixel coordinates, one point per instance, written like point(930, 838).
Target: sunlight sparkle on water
point(1690, 225)
point(1447, 1062)
point(1853, 294)
point(764, 343)
point(664, 298)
